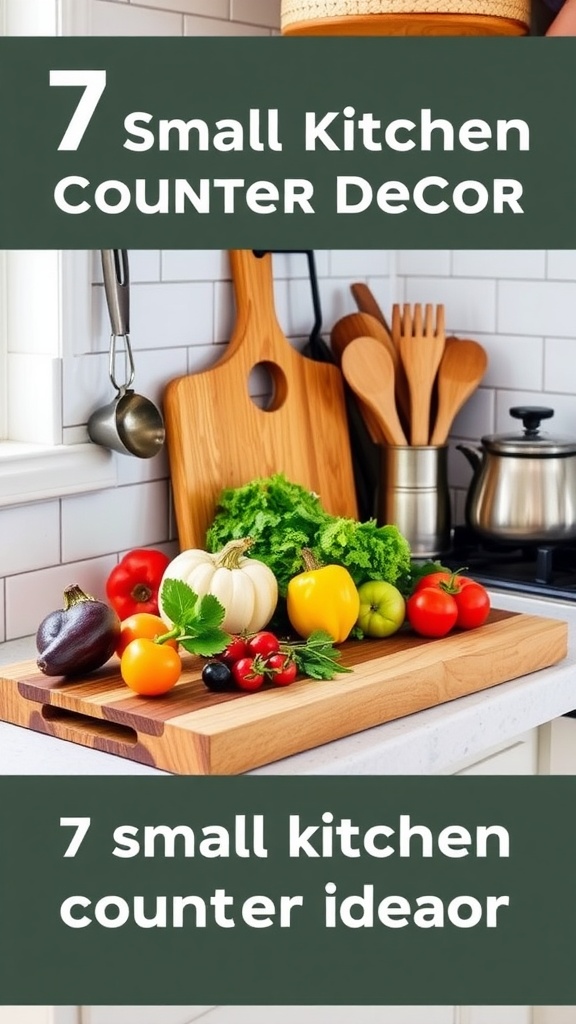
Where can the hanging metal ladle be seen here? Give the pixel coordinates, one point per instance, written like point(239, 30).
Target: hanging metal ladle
point(129, 424)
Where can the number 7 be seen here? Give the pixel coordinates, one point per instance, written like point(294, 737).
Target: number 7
point(81, 825)
point(94, 83)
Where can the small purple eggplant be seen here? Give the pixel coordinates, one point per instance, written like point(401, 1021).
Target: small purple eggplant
point(78, 638)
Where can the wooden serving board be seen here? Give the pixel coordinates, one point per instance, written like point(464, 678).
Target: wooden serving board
point(218, 437)
point(430, 24)
point(191, 731)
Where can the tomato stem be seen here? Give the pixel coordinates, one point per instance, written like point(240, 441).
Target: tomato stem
point(174, 634)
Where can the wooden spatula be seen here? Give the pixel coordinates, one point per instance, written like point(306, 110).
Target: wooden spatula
point(461, 369)
point(368, 368)
point(367, 303)
point(421, 344)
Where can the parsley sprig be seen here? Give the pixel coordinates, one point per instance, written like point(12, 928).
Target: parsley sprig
point(197, 621)
point(316, 657)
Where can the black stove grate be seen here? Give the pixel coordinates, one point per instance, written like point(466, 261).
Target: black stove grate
point(544, 570)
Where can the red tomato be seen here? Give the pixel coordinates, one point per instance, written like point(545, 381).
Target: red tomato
point(133, 584)
point(246, 676)
point(142, 624)
point(263, 643)
point(473, 605)
point(434, 578)
point(236, 649)
point(431, 612)
point(282, 669)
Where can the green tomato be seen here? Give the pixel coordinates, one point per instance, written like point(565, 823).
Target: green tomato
point(382, 608)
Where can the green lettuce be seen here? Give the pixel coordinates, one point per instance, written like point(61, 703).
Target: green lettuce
point(282, 517)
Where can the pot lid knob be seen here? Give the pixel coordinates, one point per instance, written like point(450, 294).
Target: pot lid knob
point(531, 416)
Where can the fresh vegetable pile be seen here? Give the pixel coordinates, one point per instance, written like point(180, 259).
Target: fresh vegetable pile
point(282, 518)
point(337, 578)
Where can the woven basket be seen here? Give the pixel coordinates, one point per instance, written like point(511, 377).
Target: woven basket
point(405, 17)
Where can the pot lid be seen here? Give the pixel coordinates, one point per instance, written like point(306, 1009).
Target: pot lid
point(531, 440)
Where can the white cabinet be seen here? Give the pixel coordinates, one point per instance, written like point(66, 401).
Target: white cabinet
point(519, 757)
point(141, 1014)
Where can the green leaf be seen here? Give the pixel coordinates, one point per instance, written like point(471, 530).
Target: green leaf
point(209, 613)
point(178, 601)
point(207, 644)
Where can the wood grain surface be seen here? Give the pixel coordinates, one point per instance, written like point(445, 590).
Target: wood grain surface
point(191, 731)
point(217, 436)
point(409, 25)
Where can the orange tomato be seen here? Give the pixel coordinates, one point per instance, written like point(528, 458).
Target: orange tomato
point(148, 668)
point(141, 624)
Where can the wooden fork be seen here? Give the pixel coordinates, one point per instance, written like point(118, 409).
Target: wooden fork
point(420, 343)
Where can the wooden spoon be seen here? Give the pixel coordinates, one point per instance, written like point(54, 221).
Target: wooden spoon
point(359, 325)
point(367, 303)
point(356, 325)
point(369, 370)
point(421, 344)
point(461, 369)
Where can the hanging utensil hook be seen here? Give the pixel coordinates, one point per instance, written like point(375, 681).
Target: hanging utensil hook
point(115, 270)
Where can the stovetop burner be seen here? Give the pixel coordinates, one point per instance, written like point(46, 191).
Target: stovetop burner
point(544, 570)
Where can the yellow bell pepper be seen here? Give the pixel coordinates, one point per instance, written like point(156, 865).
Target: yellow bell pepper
point(322, 597)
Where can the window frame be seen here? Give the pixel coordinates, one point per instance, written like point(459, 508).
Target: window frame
point(37, 468)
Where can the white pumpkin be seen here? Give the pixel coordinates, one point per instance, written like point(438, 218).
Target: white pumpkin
point(246, 587)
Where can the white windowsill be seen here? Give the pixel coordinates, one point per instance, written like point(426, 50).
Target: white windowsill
point(34, 472)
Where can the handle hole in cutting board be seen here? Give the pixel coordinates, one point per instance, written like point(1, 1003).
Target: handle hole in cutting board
point(93, 726)
point(267, 386)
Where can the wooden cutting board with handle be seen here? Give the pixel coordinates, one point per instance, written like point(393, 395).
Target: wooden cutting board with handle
point(193, 731)
point(217, 436)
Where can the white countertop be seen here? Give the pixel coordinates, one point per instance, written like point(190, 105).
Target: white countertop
point(427, 743)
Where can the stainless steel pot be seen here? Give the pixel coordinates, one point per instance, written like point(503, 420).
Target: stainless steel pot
point(524, 484)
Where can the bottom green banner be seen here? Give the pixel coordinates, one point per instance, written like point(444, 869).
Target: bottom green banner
point(272, 891)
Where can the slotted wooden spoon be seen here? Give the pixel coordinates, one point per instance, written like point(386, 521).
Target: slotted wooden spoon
point(369, 370)
point(461, 369)
point(421, 343)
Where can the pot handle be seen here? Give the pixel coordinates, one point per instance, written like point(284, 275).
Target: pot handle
point(531, 416)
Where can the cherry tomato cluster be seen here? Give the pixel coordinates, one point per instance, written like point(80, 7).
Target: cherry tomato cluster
point(248, 662)
point(444, 600)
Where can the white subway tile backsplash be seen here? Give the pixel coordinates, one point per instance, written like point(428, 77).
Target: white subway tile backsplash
point(112, 19)
point(211, 27)
point(470, 306)
point(476, 417)
point(327, 1015)
point(224, 311)
point(562, 264)
point(127, 517)
point(499, 263)
point(358, 264)
point(30, 597)
point(560, 365)
point(202, 357)
point(513, 361)
point(545, 308)
point(2, 606)
point(423, 262)
point(195, 265)
point(208, 8)
point(162, 316)
point(256, 12)
point(29, 537)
